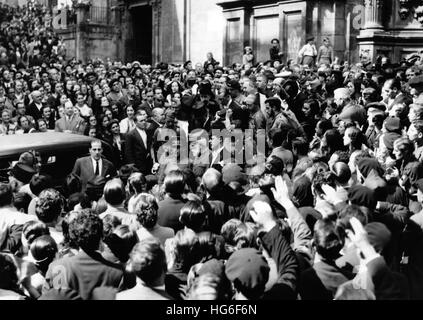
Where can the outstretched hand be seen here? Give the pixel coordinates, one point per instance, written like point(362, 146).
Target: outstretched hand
point(358, 235)
point(281, 190)
point(331, 195)
point(359, 238)
point(262, 215)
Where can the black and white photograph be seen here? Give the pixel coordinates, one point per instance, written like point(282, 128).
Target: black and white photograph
point(218, 150)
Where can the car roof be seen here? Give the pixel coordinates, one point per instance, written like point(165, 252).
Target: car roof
point(42, 142)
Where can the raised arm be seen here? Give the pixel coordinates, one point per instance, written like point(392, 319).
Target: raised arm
point(300, 229)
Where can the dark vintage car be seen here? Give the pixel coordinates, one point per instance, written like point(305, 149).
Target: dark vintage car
point(58, 152)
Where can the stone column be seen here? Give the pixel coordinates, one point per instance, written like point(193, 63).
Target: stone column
point(373, 14)
point(157, 15)
point(120, 30)
point(82, 10)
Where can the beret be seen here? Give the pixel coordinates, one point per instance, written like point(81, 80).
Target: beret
point(378, 235)
point(249, 271)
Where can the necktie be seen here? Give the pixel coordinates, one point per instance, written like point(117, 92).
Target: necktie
point(143, 137)
point(97, 168)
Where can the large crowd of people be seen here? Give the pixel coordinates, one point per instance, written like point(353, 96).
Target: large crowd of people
point(331, 209)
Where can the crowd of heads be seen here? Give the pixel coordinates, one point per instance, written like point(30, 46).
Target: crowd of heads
point(337, 201)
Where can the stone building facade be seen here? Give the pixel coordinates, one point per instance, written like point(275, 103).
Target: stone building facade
point(178, 30)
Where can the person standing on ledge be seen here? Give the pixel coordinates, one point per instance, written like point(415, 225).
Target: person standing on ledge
point(308, 53)
point(275, 51)
point(248, 58)
point(325, 54)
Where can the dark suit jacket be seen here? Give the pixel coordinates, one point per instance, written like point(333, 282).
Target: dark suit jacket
point(84, 169)
point(117, 156)
point(51, 122)
point(33, 111)
point(83, 273)
point(321, 281)
point(168, 213)
point(134, 102)
point(217, 215)
point(145, 106)
point(412, 266)
point(53, 102)
point(240, 116)
point(286, 264)
point(388, 285)
point(137, 153)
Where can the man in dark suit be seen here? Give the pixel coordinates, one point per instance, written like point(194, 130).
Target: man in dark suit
point(88, 168)
point(157, 119)
point(218, 211)
point(34, 108)
point(240, 116)
point(149, 104)
point(82, 273)
point(138, 149)
point(170, 207)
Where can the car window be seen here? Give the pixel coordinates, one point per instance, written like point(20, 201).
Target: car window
point(57, 164)
point(5, 166)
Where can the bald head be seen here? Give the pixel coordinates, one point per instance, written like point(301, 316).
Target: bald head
point(212, 180)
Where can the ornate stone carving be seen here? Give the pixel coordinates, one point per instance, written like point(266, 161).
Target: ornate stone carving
point(418, 14)
point(408, 7)
point(157, 9)
point(405, 9)
point(365, 55)
point(373, 14)
point(81, 4)
point(373, 3)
